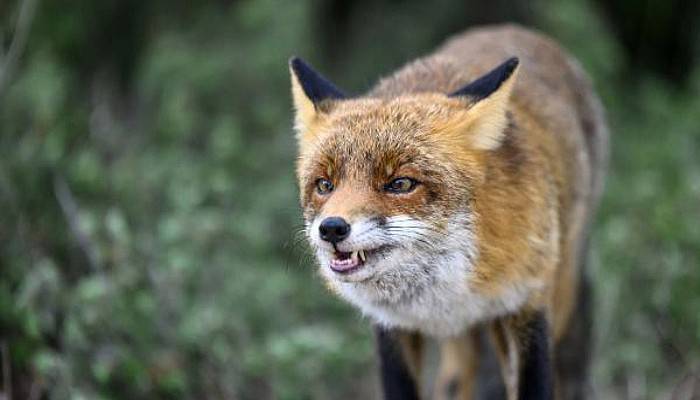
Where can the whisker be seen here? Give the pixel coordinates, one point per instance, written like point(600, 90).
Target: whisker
point(416, 228)
point(297, 239)
point(417, 238)
point(423, 227)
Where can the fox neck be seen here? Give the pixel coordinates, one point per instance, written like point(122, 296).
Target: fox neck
point(518, 239)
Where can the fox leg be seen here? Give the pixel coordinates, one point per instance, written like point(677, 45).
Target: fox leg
point(458, 368)
point(399, 362)
point(523, 346)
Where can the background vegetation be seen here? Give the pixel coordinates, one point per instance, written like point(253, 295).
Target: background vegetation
point(148, 208)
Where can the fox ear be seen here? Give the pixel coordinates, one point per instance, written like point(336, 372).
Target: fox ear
point(488, 98)
point(311, 93)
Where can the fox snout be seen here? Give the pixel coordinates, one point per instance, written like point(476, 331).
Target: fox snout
point(334, 229)
point(343, 233)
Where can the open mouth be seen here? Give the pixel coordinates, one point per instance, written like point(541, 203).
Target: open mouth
point(349, 262)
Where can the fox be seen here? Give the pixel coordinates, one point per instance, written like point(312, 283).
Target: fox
point(453, 202)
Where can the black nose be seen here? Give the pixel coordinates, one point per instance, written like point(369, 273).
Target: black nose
point(334, 229)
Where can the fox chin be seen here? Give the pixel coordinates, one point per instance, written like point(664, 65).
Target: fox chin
point(456, 196)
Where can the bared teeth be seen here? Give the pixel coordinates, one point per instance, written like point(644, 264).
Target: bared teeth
point(348, 262)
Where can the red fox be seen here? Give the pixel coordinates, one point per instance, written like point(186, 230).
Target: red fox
point(456, 196)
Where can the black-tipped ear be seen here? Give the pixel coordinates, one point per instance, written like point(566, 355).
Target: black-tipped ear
point(487, 115)
point(489, 83)
point(315, 86)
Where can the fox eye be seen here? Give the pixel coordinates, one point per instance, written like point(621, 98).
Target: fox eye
point(324, 186)
point(401, 185)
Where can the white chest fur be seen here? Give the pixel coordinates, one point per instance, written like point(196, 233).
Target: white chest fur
point(437, 300)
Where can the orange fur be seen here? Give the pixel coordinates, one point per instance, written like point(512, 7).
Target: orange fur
point(526, 162)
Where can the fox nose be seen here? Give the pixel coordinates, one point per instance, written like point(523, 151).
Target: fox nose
point(334, 229)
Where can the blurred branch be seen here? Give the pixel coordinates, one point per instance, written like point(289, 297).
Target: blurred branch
point(6, 376)
point(35, 391)
point(70, 210)
point(8, 63)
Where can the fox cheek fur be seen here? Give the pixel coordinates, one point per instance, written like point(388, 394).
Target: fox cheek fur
point(455, 197)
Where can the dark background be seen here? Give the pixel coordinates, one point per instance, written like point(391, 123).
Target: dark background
point(149, 226)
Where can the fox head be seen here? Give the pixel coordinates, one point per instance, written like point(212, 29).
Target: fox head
point(387, 184)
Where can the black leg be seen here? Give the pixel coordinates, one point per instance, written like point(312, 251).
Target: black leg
point(535, 381)
point(397, 381)
point(573, 352)
point(489, 381)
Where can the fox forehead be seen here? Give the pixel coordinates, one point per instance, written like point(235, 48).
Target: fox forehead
point(382, 134)
point(360, 149)
point(415, 113)
point(373, 152)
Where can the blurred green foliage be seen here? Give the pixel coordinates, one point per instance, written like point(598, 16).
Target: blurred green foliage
point(149, 233)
